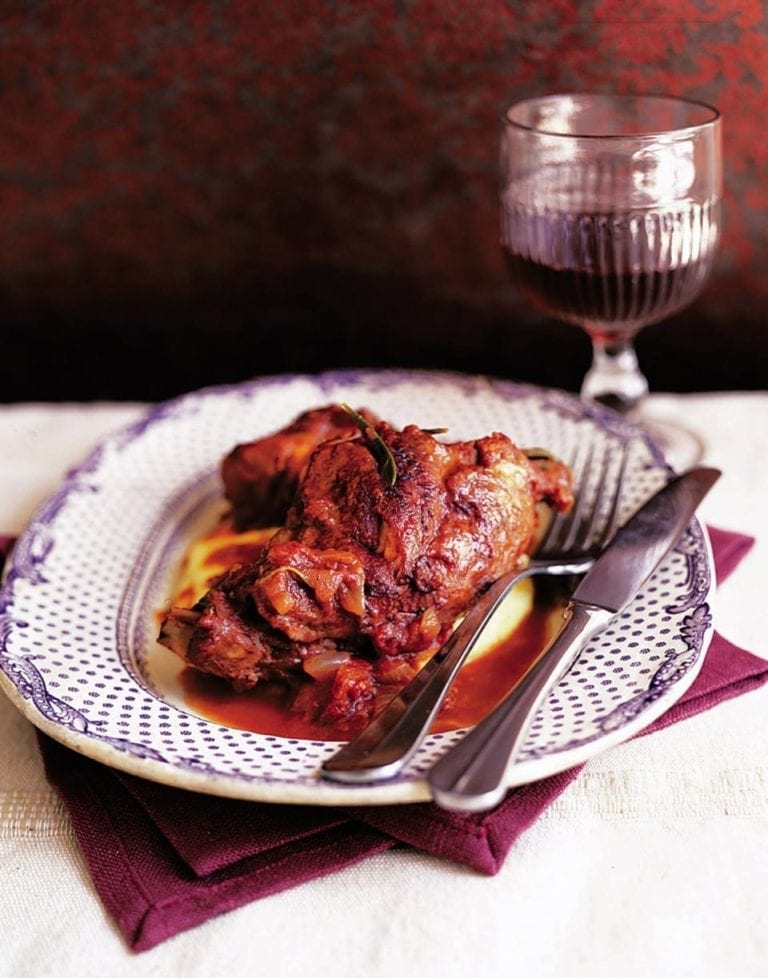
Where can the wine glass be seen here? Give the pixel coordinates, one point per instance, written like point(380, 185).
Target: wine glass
point(610, 217)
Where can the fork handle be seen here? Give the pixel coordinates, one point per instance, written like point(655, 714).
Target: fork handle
point(470, 776)
point(386, 745)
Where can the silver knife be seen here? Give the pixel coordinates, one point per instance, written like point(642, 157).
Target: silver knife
point(470, 776)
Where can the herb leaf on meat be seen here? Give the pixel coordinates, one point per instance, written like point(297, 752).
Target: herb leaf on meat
point(379, 448)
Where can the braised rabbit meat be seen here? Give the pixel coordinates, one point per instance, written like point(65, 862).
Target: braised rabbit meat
point(260, 477)
point(368, 572)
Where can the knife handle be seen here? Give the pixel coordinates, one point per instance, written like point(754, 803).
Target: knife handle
point(470, 776)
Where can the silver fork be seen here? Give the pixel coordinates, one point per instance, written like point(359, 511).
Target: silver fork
point(569, 546)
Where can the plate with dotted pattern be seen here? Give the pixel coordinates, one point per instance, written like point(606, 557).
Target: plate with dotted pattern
point(89, 574)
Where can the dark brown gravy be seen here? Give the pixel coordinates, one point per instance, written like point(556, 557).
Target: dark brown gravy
point(480, 685)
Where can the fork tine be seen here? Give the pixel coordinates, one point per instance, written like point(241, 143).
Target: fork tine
point(579, 512)
point(586, 534)
point(612, 523)
point(588, 539)
point(577, 531)
point(560, 522)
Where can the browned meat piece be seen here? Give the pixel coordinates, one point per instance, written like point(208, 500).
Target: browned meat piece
point(260, 477)
point(352, 694)
point(309, 593)
point(372, 572)
point(224, 636)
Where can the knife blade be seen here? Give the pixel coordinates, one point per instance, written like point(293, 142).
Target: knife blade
point(470, 776)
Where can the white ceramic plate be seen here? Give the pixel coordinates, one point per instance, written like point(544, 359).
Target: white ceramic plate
point(78, 654)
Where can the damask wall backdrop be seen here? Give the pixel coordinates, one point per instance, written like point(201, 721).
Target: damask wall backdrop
point(195, 192)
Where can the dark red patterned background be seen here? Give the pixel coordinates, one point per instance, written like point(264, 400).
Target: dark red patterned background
point(194, 192)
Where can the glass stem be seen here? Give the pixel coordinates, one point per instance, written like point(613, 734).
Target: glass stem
point(614, 378)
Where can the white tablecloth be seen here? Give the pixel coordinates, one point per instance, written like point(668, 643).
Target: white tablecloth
point(654, 862)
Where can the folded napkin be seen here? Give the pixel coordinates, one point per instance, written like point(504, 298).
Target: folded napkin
point(164, 860)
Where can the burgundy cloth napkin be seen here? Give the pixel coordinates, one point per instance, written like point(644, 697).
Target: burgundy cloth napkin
point(164, 860)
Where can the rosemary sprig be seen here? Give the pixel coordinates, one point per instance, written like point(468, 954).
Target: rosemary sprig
point(379, 448)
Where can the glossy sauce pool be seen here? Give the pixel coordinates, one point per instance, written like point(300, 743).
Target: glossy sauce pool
point(480, 685)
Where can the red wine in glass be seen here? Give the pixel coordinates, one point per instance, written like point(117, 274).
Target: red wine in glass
point(610, 217)
point(612, 274)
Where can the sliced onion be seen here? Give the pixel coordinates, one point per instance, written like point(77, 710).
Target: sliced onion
point(323, 665)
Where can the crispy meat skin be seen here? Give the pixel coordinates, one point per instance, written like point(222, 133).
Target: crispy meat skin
point(260, 477)
point(376, 570)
